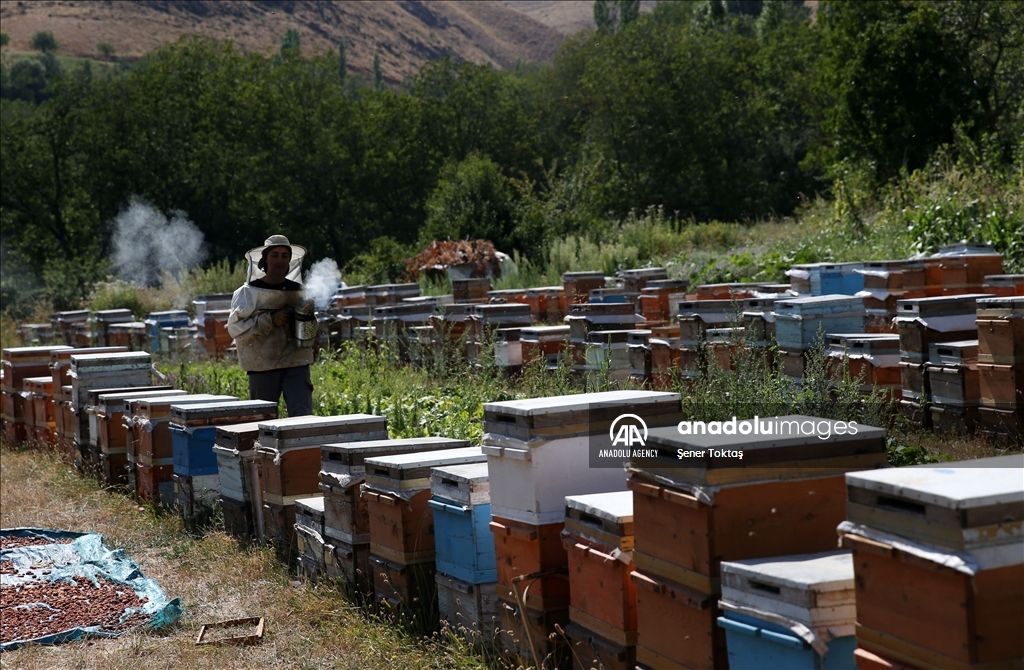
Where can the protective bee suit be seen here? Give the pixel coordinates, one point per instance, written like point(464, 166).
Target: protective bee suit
point(264, 347)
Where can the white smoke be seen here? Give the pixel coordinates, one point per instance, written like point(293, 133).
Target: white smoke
point(147, 244)
point(322, 282)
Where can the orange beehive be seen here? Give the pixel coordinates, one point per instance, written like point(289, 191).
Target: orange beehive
point(602, 598)
point(523, 550)
point(678, 626)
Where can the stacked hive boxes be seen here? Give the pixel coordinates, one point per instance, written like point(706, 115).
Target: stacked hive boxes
point(235, 449)
point(883, 287)
point(288, 466)
point(485, 320)
point(598, 538)
point(346, 515)
point(64, 321)
point(938, 554)
point(1003, 285)
point(638, 348)
point(152, 446)
point(548, 304)
point(105, 318)
point(922, 322)
point(97, 371)
point(666, 357)
point(508, 350)
point(392, 324)
point(659, 300)
point(793, 612)
point(801, 323)
point(19, 364)
point(309, 537)
point(471, 290)
point(39, 418)
point(402, 553)
point(539, 452)
point(786, 493)
point(578, 285)
point(60, 370)
point(696, 317)
point(193, 430)
point(466, 572)
point(871, 358)
point(1000, 323)
point(951, 376)
point(110, 435)
point(598, 331)
point(544, 343)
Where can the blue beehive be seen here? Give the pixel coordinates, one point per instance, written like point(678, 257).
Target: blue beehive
point(155, 321)
point(790, 612)
point(798, 320)
point(194, 430)
point(461, 501)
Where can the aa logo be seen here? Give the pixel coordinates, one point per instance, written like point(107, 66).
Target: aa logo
point(628, 430)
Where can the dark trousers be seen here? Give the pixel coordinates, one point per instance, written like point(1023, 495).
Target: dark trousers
point(293, 382)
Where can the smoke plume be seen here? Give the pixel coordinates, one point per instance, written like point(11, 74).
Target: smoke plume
point(147, 244)
point(322, 282)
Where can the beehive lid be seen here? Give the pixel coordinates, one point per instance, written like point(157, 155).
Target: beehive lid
point(639, 336)
point(509, 309)
point(37, 384)
point(411, 472)
point(61, 357)
point(706, 306)
point(544, 333)
point(302, 431)
point(238, 436)
point(580, 401)
point(953, 353)
point(723, 335)
point(656, 286)
point(819, 305)
point(586, 275)
point(243, 410)
point(964, 485)
point(616, 506)
point(31, 355)
point(1000, 307)
point(351, 455)
point(939, 306)
point(311, 506)
point(93, 396)
point(132, 360)
point(645, 272)
point(780, 454)
point(114, 401)
point(806, 580)
point(759, 304)
point(114, 315)
point(466, 485)
point(609, 336)
point(160, 407)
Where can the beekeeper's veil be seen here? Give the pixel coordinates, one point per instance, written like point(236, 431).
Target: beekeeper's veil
point(255, 258)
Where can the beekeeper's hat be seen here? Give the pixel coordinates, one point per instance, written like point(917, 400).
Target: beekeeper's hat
point(255, 258)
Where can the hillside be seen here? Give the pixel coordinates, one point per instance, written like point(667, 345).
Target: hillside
point(405, 33)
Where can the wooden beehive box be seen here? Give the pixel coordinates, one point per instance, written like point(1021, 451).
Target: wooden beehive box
point(953, 385)
point(235, 452)
point(471, 290)
point(523, 549)
point(20, 363)
point(937, 609)
point(193, 429)
point(765, 601)
point(397, 490)
point(923, 321)
point(60, 361)
point(306, 431)
point(109, 410)
point(799, 320)
point(659, 299)
point(461, 504)
point(539, 450)
point(343, 470)
point(110, 370)
point(1001, 386)
point(578, 285)
point(872, 357)
point(1000, 323)
point(467, 609)
point(309, 513)
point(696, 316)
point(151, 419)
point(607, 350)
point(1004, 285)
point(962, 506)
point(637, 280)
point(586, 317)
point(773, 448)
point(546, 343)
point(598, 529)
point(638, 343)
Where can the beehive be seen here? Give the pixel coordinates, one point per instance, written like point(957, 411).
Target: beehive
point(461, 504)
point(193, 429)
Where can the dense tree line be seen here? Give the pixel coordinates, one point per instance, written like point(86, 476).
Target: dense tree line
point(720, 109)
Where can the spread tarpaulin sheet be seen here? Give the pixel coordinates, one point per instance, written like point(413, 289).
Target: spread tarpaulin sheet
point(84, 556)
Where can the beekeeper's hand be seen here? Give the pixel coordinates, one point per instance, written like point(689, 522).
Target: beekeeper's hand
point(282, 317)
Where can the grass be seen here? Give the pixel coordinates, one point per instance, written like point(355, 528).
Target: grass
point(308, 626)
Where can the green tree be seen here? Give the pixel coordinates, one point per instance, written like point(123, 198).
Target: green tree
point(605, 16)
point(629, 11)
point(44, 41)
point(290, 42)
point(5, 39)
point(107, 49)
point(472, 200)
point(342, 61)
point(378, 74)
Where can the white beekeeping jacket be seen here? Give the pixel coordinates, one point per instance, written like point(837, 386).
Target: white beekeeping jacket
point(262, 345)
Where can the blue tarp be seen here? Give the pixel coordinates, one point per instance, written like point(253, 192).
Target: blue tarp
point(85, 556)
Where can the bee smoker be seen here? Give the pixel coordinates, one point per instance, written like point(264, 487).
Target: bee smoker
point(305, 323)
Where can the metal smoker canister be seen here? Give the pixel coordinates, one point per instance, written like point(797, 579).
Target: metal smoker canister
point(305, 324)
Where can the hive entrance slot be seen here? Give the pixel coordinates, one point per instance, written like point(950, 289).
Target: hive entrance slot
point(765, 588)
point(900, 505)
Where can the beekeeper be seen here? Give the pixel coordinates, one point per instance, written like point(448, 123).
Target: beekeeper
point(261, 323)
